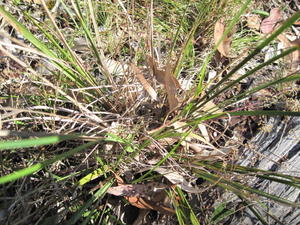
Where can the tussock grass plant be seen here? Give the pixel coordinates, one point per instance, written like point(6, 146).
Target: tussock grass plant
point(83, 114)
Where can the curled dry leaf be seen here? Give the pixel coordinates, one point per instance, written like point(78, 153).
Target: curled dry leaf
point(268, 24)
point(224, 46)
point(175, 178)
point(153, 199)
point(166, 78)
point(144, 82)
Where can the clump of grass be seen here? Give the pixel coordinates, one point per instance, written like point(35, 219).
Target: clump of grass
point(90, 116)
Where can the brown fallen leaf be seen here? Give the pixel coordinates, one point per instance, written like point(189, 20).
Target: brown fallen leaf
point(268, 24)
point(294, 58)
point(138, 73)
point(166, 78)
point(147, 204)
point(171, 84)
point(295, 54)
point(153, 191)
point(224, 46)
point(175, 178)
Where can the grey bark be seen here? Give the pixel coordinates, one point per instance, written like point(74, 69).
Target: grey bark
point(277, 149)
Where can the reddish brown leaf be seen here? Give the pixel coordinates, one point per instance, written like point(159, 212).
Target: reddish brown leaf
point(147, 204)
point(224, 46)
point(268, 24)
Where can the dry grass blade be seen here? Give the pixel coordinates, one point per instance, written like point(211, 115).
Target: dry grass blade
point(224, 46)
point(138, 73)
point(87, 112)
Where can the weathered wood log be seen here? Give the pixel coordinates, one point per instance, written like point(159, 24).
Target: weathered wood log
point(276, 147)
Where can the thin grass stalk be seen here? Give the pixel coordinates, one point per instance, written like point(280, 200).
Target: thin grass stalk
point(253, 210)
point(78, 64)
point(97, 53)
point(99, 194)
point(170, 153)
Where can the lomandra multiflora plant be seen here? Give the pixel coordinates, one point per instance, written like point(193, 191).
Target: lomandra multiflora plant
point(103, 111)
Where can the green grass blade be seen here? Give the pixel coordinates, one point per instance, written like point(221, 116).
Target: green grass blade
point(264, 174)
point(220, 213)
point(32, 169)
point(99, 194)
point(25, 32)
point(34, 142)
point(263, 113)
point(200, 119)
point(247, 203)
point(93, 175)
point(242, 188)
point(93, 44)
point(236, 98)
point(186, 213)
point(287, 52)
